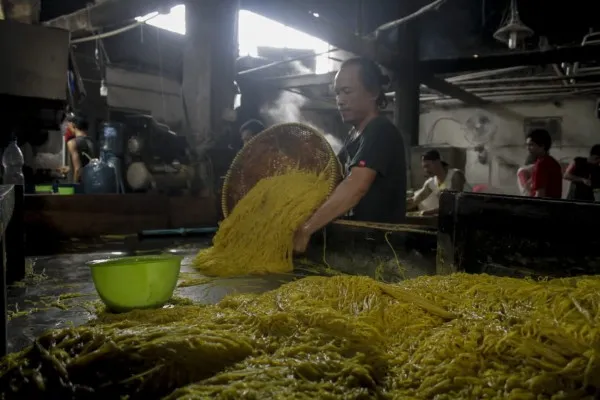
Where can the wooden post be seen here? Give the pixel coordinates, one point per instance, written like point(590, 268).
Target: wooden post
point(407, 90)
point(407, 85)
point(208, 72)
point(197, 69)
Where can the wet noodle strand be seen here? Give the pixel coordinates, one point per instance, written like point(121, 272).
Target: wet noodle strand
point(444, 337)
point(257, 237)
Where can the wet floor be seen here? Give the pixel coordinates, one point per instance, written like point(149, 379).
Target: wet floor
point(60, 292)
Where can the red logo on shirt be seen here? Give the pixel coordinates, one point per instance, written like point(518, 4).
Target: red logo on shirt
point(362, 163)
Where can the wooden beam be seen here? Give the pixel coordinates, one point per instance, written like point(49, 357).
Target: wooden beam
point(444, 87)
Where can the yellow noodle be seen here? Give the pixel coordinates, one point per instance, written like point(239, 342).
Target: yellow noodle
point(257, 237)
point(444, 337)
point(458, 336)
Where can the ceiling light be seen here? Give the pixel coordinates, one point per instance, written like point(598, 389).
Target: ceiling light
point(513, 31)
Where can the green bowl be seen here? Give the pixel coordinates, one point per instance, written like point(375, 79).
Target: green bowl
point(43, 189)
point(138, 282)
point(66, 190)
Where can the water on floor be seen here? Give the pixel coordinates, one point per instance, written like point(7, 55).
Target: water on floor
point(60, 292)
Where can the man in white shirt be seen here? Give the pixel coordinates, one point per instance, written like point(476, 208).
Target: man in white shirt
point(441, 177)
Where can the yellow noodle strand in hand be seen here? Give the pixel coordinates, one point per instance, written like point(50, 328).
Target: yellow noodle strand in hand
point(257, 237)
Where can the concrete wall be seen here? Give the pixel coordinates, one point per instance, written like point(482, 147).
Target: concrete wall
point(160, 97)
point(580, 130)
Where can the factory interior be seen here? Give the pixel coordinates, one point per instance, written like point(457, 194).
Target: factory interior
point(180, 207)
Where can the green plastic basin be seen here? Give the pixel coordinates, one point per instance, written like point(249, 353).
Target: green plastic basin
point(66, 190)
point(138, 282)
point(43, 189)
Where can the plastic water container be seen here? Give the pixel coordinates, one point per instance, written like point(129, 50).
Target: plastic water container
point(98, 177)
point(12, 161)
point(112, 138)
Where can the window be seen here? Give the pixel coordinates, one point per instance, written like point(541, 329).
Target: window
point(174, 21)
point(254, 31)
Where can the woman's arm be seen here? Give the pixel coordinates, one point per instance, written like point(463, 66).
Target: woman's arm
point(75, 161)
point(345, 197)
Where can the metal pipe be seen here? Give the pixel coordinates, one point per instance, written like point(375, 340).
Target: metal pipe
point(544, 45)
point(526, 79)
point(588, 69)
point(530, 87)
point(560, 74)
point(523, 88)
point(494, 95)
point(484, 74)
point(403, 20)
point(506, 99)
point(576, 68)
point(503, 94)
point(516, 90)
point(520, 93)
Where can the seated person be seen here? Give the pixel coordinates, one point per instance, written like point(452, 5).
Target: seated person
point(584, 175)
point(441, 177)
point(250, 129)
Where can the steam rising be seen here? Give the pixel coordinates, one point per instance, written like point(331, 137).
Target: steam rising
point(288, 108)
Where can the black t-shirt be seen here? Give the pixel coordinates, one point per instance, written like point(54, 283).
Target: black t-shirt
point(85, 148)
point(380, 147)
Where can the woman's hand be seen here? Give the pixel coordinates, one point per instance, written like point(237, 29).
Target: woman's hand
point(301, 239)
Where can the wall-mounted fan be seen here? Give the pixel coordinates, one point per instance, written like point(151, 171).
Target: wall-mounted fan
point(479, 129)
point(479, 132)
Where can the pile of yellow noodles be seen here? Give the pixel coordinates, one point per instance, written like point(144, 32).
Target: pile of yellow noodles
point(444, 337)
point(257, 237)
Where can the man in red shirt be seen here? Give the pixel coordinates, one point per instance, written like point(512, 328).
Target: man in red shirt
point(546, 179)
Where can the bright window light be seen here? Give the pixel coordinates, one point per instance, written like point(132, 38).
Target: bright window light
point(256, 31)
point(174, 21)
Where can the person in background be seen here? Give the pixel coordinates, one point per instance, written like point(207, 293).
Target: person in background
point(250, 129)
point(481, 188)
point(584, 176)
point(546, 177)
point(524, 175)
point(374, 188)
point(441, 177)
point(79, 145)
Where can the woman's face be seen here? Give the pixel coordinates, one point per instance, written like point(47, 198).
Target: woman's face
point(353, 100)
